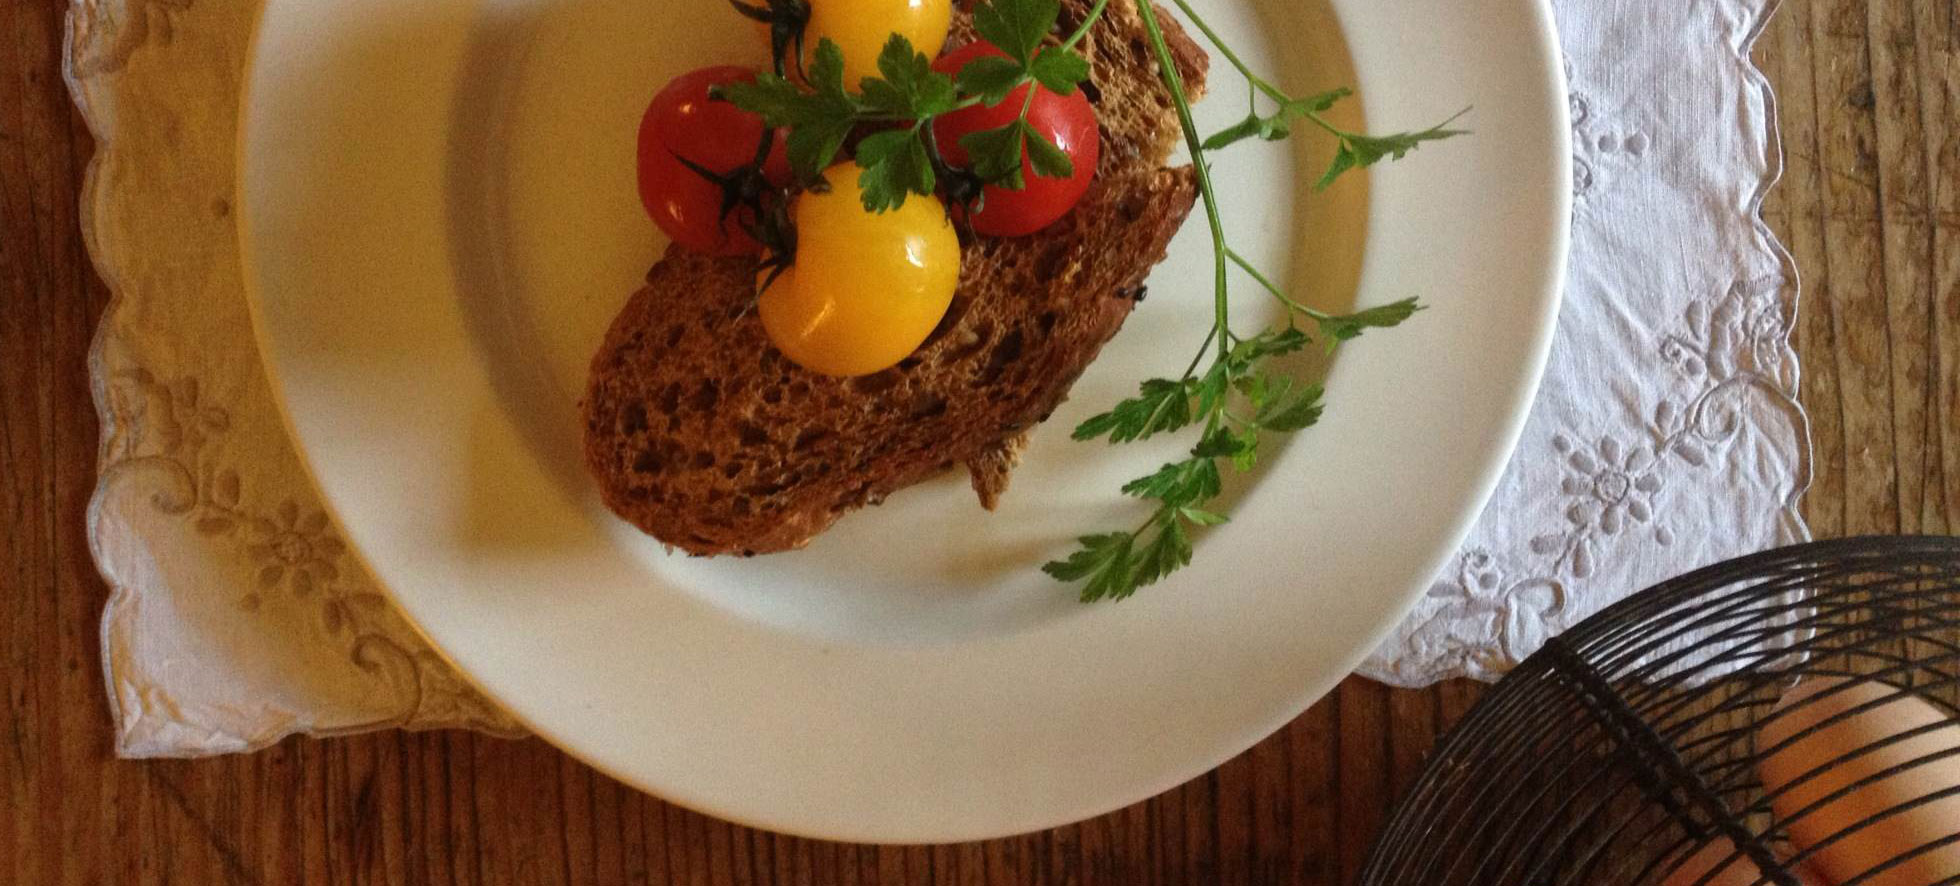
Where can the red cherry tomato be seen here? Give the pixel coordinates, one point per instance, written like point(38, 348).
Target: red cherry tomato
point(1067, 120)
point(682, 121)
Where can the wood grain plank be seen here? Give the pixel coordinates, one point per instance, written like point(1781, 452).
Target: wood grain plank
point(636, 860)
point(309, 811)
point(1795, 210)
point(1232, 825)
point(653, 825)
point(1853, 277)
point(1269, 811)
point(865, 869)
point(1946, 275)
point(1060, 854)
point(1455, 699)
point(1097, 846)
point(1313, 787)
point(396, 857)
point(611, 835)
point(459, 775)
point(1168, 837)
point(721, 851)
point(82, 728)
point(1362, 754)
point(674, 834)
point(1134, 861)
point(1906, 240)
point(27, 480)
point(890, 861)
point(826, 864)
point(1010, 861)
point(1200, 828)
point(1937, 35)
point(692, 858)
point(1412, 730)
point(922, 865)
point(424, 822)
point(495, 863)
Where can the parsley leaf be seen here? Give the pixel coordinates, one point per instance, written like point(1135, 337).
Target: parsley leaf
point(1277, 125)
point(1358, 151)
point(819, 120)
point(1350, 326)
point(1017, 26)
point(996, 154)
point(822, 113)
point(895, 164)
point(826, 70)
point(1212, 388)
point(1159, 407)
point(1242, 447)
point(909, 88)
point(827, 117)
point(1059, 70)
point(1295, 412)
point(1201, 517)
point(1165, 552)
point(1105, 563)
point(1114, 566)
point(1194, 479)
point(1048, 160)
point(992, 78)
point(812, 147)
point(776, 100)
point(1270, 343)
point(1258, 389)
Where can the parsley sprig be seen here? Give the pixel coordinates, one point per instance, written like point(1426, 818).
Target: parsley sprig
point(822, 112)
point(1236, 389)
point(1238, 399)
point(1353, 149)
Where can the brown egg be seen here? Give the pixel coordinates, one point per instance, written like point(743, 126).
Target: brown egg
point(1840, 750)
point(1735, 871)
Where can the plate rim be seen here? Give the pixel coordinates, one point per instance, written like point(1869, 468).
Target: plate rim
point(1531, 370)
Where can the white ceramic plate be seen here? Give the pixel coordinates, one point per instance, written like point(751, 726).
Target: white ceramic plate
point(439, 220)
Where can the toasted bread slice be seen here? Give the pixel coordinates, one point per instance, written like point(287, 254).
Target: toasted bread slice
point(703, 435)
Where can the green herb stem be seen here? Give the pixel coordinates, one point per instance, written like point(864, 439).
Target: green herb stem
point(1192, 370)
point(1225, 49)
point(1174, 81)
point(1095, 14)
point(1274, 289)
point(1259, 83)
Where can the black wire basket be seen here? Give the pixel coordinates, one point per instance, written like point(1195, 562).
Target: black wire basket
point(1636, 748)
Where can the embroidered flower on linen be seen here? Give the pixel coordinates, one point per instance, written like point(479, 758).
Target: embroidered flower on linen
point(1746, 332)
point(296, 550)
point(1607, 488)
point(1612, 484)
point(1597, 146)
point(1480, 621)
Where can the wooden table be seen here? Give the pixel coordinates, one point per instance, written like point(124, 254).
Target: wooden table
point(1871, 208)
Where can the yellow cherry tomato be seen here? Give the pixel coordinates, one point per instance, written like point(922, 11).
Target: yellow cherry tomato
point(867, 288)
point(862, 27)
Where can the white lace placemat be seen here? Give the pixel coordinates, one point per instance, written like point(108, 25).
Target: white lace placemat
point(1667, 434)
